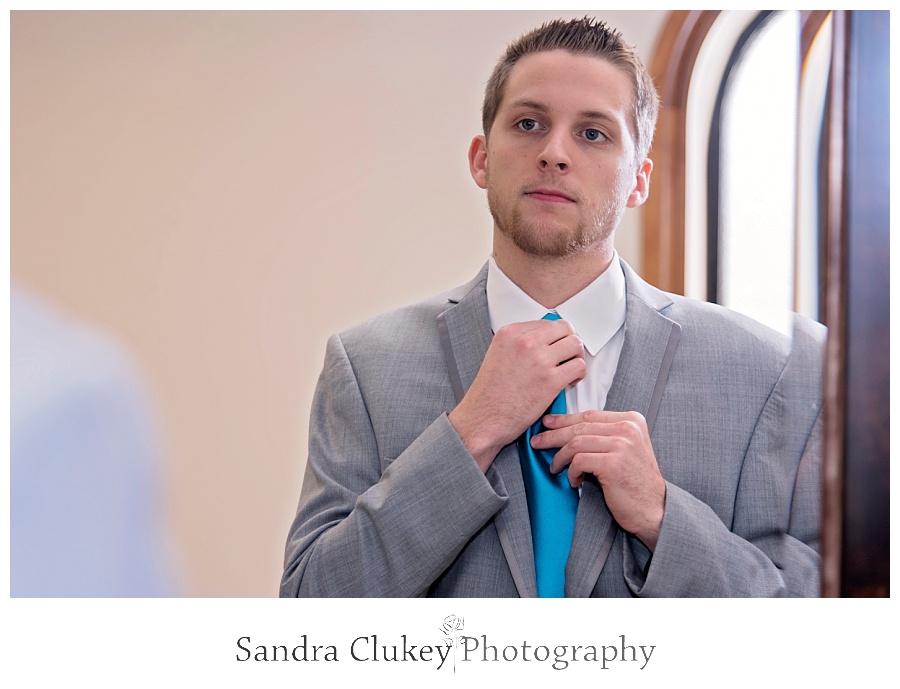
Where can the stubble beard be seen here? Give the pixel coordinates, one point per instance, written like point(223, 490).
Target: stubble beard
point(554, 240)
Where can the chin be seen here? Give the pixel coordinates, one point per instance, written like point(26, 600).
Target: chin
point(546, 245)
point(540, 239)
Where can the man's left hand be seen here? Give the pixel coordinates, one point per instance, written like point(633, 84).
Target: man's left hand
point(615, 447)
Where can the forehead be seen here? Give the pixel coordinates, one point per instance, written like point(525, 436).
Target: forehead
point(563, 81)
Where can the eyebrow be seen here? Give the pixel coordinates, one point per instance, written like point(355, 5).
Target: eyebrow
point(584, 114)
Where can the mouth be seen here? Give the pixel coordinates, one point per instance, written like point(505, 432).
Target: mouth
point(549, 195)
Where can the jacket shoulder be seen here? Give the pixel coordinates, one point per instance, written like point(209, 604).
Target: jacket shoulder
point(411, 328)
point(719, 332)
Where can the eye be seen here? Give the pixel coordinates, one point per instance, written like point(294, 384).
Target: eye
point(593, 135)
point(527, 125)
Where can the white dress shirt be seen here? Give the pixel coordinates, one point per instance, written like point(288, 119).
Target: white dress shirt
point(597, 313)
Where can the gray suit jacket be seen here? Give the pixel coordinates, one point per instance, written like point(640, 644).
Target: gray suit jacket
point(394, 505)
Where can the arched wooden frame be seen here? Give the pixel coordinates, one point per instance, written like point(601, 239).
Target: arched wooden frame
point(672, 66)
point(856, 462)
point(662, 238)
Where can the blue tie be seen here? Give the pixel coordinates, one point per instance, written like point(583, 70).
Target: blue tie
point(552, 504)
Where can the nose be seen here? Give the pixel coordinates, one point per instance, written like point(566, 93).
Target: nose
point(554, 153)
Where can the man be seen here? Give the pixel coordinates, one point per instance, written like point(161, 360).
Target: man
point(687, 435)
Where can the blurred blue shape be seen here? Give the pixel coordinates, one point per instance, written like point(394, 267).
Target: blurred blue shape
point(85, 517)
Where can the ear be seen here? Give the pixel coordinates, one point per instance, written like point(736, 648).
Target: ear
point(478, 160)
point(641, 184)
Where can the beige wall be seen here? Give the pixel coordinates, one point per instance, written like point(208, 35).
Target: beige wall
point(224, 190)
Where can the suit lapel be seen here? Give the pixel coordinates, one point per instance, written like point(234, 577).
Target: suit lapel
point(650, 343)
point(465, 332)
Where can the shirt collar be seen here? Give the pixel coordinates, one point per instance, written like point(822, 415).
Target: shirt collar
point(596, 312)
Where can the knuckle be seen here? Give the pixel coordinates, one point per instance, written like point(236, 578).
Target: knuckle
point(627, 429)
point(505, 332)
point(580, 443)
point(636, 418)
point(525, 343)
point(579, 459)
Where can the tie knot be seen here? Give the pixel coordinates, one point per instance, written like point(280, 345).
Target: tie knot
point(552, 317)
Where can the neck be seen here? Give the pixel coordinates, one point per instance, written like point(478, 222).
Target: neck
point(548, 280)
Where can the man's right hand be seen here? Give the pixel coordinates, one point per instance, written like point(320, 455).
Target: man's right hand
point(526, 366)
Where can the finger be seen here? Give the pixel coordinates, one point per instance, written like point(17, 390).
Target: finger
point(576, 478)
point(549, 331)
point(568, 347)
point(559, 421)
point(599, 416)
point(583, 446)
point(585, 463)
point(561, 460)
point(567, 435)
point(555, 438)
point(534, 333)
point(569, 372)
point(561, 428)
point(560, 328)
point(560, 352)
point(582, 465)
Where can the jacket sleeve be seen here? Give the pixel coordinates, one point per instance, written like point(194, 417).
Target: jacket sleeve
point(771, 547)
point(379, 526)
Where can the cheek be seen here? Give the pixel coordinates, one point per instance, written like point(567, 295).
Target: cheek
point(623, 183)
point(607, 181)
point(503, 170)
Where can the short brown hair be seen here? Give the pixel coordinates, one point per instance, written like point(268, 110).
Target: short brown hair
point(585, 36)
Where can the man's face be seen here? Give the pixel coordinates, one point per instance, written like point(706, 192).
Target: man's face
point(559, 162)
